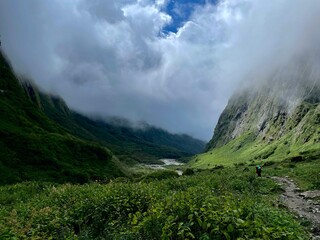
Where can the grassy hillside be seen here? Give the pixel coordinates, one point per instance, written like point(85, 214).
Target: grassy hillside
point(41, 139)
point(131, 144)
point(262, 127)
point(254, 152)
point(33, 147)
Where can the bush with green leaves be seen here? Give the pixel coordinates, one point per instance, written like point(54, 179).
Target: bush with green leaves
point(188, 172)
point(160, 175)
point(227, 204)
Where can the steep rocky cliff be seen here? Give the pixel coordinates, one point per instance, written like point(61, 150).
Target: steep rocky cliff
point(273, 119)
point(269, 117)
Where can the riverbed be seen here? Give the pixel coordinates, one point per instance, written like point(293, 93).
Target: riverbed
point(166, 162)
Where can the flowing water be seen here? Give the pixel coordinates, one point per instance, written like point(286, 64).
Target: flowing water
point(166, 162)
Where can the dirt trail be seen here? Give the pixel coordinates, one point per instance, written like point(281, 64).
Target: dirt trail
point(301, 203)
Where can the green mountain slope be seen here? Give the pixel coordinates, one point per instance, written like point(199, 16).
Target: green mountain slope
point(42, 139)
point(33, 147)
point(267, 123)
point(143, 143)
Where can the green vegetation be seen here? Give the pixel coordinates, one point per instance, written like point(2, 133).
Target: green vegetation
point(42, 140)
point(159, 175)
point(224, 204)
point(33, 147)
point(131, 144)
point(257, 127)
point(219, 196)
point(245, 149)
point(305, 173)
point(56, 158)
point(268, 118)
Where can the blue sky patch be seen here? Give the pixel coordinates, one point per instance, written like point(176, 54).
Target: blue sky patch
point(181, 10)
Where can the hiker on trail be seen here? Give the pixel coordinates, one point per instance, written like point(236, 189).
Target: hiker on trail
point(258, 170)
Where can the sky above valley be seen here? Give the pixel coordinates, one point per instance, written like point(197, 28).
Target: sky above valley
point(171, 63)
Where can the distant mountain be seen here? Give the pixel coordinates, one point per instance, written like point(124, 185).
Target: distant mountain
point(132, 144)
point(42, 139)
point(276, 120)
point(34, 147)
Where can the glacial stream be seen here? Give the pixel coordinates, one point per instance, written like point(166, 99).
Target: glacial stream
point(166, 162)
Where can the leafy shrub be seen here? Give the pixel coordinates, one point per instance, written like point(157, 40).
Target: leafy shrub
point(188, 172)
point(296, 159)
point(269, 163)
point(160, 175)
point(241, 164)
point(230, 205)
point(217, 167)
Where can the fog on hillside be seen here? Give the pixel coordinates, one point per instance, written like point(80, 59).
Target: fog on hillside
point(117, 58)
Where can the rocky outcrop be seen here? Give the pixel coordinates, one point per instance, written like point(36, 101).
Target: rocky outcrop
point(286, 104)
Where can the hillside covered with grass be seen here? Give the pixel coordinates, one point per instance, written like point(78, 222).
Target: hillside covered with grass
point(131, 144)
point(42, 139)
point(263, 124)
point(33, 147)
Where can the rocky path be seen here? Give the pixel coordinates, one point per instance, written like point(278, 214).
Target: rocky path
point(301, 203)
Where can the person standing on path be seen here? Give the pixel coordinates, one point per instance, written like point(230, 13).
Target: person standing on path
point(258, 170)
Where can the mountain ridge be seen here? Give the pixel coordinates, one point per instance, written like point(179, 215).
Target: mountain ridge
point(277, 120)
point(33, 147)
point(143, 143)
point(42, 139)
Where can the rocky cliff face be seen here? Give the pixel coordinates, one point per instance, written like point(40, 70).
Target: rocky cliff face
point(287, 106)
point(267, 116)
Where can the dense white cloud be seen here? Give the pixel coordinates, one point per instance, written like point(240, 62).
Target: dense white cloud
point(112, 58)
